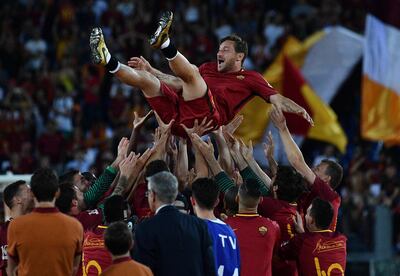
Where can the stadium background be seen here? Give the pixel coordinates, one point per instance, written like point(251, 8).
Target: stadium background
point(58, 110)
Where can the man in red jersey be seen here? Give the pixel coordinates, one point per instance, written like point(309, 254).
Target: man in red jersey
point(215, 90)
point(95, 257)
point(258, 237)
point(70, 201)
point(321, 180)
point(319, 251)
point(287, 187)
point(17, 196)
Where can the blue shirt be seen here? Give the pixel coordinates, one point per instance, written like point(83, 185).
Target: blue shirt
point(226, 248)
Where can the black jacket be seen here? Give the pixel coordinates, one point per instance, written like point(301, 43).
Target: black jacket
point(173, 243)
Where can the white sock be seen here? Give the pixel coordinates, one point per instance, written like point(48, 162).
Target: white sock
point(116, 69)
point(108, 57)
point(165, 44)
point(169, 59)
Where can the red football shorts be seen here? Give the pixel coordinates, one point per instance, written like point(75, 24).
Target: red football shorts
point(172, 106)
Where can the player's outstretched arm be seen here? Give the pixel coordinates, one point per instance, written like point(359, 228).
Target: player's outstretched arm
point(137, 124)
point(293, 152)
point(247, 153)
point(269, 154)
point(287, 105)
point(201, 166)
point(224, 156)
point(141, 63)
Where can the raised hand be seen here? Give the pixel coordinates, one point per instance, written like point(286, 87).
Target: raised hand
point(142, 160)
point(127, 165)
point(163, 126)
point(247, 152)
point(139, 63)
point(207, 149)
point(277, 118)
point(233, 125)
point(199, 129)
point(139, 121)
point(171, 146)
point(287, 105)
point(269, 147)
point(121, 152)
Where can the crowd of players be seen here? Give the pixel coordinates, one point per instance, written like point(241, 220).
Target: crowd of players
point(248, 222)
point(61, 119)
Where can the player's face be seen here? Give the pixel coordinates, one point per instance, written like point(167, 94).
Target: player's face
point(320, 170)
point(79, 182)
point(26, 198)
point(227, 58)
point(80, 199)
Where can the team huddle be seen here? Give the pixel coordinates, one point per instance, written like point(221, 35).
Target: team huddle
point(150, 214)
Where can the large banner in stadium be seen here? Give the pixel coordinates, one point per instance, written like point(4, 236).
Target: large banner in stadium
point(380, 113)
point(323, 61)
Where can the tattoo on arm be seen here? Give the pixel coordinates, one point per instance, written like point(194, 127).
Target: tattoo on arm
point(290, 106)
point(122, 185)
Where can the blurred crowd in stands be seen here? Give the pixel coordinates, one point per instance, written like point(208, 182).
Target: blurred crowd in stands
point(58, 110)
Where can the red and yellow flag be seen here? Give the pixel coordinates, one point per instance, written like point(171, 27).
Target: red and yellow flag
point(285, 76)
point(380, 112)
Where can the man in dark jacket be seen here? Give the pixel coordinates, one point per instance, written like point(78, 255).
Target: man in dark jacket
point(172, 243)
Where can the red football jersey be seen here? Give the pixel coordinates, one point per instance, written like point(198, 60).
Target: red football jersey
point(90, 219)
point(95, 257)
point(317, 253)
point(258, 238)
point(324, 191)
point(140, 204)
point(233, 90)
point(283, 213)
point(3, 244)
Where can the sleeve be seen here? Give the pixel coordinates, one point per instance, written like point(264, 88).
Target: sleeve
point(79, 244)
point(12, 241)
point(208, 252)
point(261, 87)
point(248, 173)
point(101, 186)
point(142, 252)
point(223, 181)
point(323, 190)
point(277, 237)
point(289, 250)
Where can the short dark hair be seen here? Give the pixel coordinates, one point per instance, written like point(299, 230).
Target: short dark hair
point(206, 192)
point(335, 171)
point(240, 44)
point(154, 167)
point(118, 238)
point(290, 184)
point(11, 191)
point(67, 194)
point(231, 205)
point(115, 208)
point(249, 193)
point(44, 184)
point(68, 176)
point(322, 213)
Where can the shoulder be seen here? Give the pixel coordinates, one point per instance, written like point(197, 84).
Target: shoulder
point(271, 223)
point(208, 66)
point(73, 222)
point(21, 220)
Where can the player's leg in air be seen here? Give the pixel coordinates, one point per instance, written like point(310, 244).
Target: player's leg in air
point(193, 86)
point(141, 79)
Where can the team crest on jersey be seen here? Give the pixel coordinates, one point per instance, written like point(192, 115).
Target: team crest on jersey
point(240, 77)
point(263, 230)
